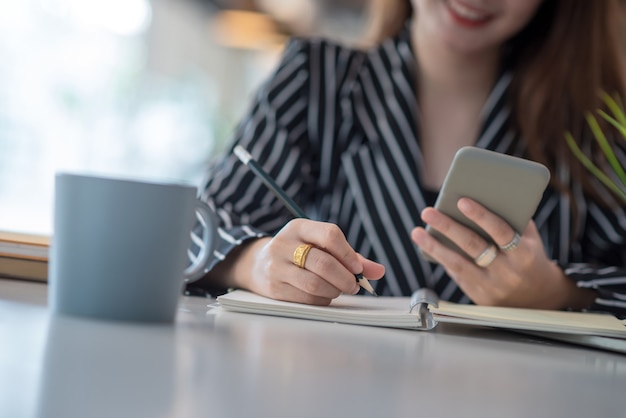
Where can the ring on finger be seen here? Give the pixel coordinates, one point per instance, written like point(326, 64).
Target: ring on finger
point(300, 254)
point(486, 257)
point(511, 245)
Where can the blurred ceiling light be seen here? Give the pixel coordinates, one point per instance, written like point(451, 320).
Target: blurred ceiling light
point(247, 30)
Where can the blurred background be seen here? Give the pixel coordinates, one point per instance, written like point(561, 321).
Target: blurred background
point(144, 89)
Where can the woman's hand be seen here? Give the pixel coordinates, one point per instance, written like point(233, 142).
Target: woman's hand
point(522, 276)
point(266, 266)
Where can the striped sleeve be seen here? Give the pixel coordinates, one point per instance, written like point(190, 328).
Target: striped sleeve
point(274, 132)
point(605, 247)
point(604, 269)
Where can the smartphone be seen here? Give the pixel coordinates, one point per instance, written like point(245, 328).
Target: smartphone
point(511, 187)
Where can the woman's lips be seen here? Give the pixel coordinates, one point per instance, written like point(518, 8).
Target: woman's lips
point(466, 15)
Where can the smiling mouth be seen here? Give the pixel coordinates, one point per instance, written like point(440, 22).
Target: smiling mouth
point(467, 15)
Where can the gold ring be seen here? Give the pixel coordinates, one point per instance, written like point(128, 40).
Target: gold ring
point(299, 255)
point(512, 244)
point(486, 257)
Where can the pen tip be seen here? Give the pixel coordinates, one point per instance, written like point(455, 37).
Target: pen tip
point(365, 284)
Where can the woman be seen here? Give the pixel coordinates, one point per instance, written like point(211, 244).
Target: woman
point(362, 139)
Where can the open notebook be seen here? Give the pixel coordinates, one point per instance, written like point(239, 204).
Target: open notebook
point(423, 311)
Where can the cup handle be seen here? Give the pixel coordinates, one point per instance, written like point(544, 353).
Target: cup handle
point(209, 223)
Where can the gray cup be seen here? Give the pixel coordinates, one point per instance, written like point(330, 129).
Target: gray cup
point(119, 247)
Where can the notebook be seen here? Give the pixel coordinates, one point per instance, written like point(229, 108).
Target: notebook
point(22, 245)
point(423, 311)
point(24, 256)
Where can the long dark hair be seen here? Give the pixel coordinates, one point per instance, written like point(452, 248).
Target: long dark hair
point(568, 54)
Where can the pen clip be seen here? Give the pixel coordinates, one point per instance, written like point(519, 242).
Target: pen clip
point(420, 299)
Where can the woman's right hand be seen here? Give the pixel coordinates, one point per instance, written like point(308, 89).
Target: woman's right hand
point(265, 266)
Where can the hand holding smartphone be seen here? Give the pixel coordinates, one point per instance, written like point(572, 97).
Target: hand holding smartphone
point(508, 186)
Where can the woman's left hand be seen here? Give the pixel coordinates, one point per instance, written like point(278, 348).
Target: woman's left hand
point(521, 276)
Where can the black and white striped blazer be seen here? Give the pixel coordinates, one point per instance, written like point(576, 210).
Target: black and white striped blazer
point(337, 128)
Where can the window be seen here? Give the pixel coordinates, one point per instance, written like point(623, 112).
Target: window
point(127, 88)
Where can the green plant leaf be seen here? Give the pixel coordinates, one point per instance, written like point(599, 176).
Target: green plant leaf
point(614, 122)
point(616, 107)
point(606, 148)
point(593, 169)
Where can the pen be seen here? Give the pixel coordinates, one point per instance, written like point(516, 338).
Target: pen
point(245, 157)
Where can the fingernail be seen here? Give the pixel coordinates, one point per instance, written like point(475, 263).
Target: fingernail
point(464, 205)
point(420, 235)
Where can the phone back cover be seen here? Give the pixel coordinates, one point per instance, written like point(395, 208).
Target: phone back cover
point(509, 186)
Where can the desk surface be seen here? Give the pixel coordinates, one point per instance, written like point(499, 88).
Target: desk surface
point(219, 364)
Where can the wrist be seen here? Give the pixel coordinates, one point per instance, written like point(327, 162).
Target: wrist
point(581, 298)
point(235, 270)
point(574, 297)
point(241, 263)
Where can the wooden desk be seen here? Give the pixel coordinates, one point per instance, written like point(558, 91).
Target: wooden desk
point(235, 365)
